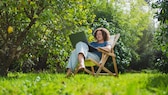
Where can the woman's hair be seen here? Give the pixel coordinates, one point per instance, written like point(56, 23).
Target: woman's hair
point(105, 33)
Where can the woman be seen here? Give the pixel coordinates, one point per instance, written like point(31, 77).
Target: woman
point(82, 51)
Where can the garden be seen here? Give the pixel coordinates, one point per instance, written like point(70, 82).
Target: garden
point(35, 46)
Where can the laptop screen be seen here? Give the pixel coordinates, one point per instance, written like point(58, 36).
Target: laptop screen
point(75, 38)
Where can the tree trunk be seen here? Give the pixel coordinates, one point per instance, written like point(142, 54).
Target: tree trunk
point(5, 62)
point(3, 70)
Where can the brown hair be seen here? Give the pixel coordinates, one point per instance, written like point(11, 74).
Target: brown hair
point(105, 33)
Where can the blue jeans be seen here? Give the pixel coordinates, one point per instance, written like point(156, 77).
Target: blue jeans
point(83, 48)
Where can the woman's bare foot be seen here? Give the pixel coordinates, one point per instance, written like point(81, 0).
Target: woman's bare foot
point(79, 69)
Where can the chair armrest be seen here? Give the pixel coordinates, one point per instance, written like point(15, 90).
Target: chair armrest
point(106, 52)
point(103, 50)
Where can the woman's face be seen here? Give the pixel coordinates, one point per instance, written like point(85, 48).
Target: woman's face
point(99, 36)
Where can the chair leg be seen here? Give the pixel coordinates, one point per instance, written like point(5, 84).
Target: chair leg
point(115, 65)
point(108, 71)
point(92, 68)
point(88, 71)
point(99, 70)
point(102, 64)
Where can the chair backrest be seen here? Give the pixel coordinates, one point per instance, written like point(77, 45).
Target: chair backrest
point(113, 39)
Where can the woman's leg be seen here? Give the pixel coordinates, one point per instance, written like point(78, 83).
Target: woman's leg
point(82, 51)
point(78, 55)
point(81, 60)
point(72, 62)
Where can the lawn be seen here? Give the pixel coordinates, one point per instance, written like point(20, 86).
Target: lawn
point(83, 84)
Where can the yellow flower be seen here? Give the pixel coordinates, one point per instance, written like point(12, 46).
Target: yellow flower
point(91, 38)
point(80, 22)
point(90, 31)
point(80, 6)
point(10, 29)
point(79, 0)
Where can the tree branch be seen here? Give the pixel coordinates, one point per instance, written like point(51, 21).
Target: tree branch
point(3, 38)
point(26, 30)
point(27, 13)
point(2, 35)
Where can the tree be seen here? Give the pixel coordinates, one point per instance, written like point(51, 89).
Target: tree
point(162, 16)
point(12, 40)
point(161, 35)
point(32, 28)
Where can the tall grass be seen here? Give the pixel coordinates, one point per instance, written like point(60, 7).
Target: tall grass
point(83, 84)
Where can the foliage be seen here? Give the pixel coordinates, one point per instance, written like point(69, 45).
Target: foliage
point(121, 17)
point(82, 84)
point(32, 29)
point(145, 50)
point(160, 61)
point(17, 19)
point(36, 32)
point(136, 23)
point(162, 34)
point(133, 21)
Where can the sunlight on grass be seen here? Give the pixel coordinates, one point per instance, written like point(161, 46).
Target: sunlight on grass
point(83, 84)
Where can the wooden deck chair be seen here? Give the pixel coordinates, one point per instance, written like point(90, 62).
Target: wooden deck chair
point(105, 55)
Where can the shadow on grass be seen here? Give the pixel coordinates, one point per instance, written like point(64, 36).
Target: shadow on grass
point(158, 83)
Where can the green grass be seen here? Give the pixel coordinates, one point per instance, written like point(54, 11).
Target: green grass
point(83, 84)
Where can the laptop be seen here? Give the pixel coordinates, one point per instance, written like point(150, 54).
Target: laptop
point(80, 36)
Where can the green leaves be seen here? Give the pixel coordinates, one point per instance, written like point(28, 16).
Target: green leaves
point(41, 27)
point(162, 34)
point(129, 19)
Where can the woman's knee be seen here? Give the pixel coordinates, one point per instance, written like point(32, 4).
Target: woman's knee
point(81, 44)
